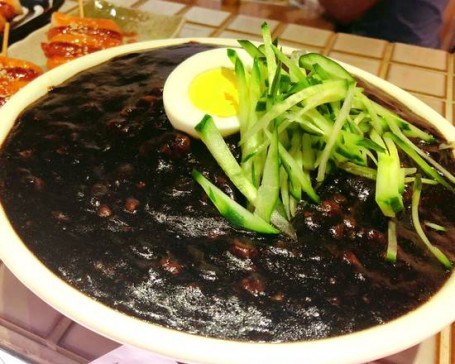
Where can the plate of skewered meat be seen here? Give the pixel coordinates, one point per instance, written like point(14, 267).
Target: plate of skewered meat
point(103, 25)
point(69, 36)
point(25, 16)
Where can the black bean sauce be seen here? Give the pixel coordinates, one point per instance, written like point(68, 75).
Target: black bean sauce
point(97, 183)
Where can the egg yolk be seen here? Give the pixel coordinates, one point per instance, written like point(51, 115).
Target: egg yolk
point(215, 92)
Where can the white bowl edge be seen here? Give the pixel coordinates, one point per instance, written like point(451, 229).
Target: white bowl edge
point(357, 347)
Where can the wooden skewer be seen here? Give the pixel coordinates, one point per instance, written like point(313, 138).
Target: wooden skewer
point(444, 350)
point(5, 40)
point(81, 8)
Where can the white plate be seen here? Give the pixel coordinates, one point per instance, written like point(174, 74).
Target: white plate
point(376, 342)
point(29, 48)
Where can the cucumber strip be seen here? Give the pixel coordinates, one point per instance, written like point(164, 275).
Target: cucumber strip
point(294, 70)
point(324, 97)
point(283, 129)
point(369, 144)
point(357, 170)
point(331, 87)
point(405, 141)
point(293, 202)
point(393, 151)
point(249, 170)
point(293, 170)
point(242, 86)
point(295, 188)
point(357, 104)
point(299, 86)
point(323, 75)
point(255, 91)
point(408, 129)
point(269, 55)
point(269, 189)
point(215, 143)
point(251, 49)
point(392, 244)
point(276, 84)
point(376, 123)
point(426, 168)
point(401, 182)
point(304, 123)
point(252, 167)
point(401, 173)
point(359, 118)
point(409, 171)
point(389, 180)
point(258, 164)
point(256, 151)
point(370, 155)
point(320, 121)
point(212, 138)
point(365, 126)
point(349, 142)
point(344, 112)
point(283, 137)
point(235, 213)
point(331, 67)
point(308, 153)
point(295, 56)
point(285, 83)
point(425, 181)
point(434, 226)
point(352, 154)
point(354, 127)
point(232, 55)
point(284, 191)
point(335, 107)
point(417, 189)
point(387, 194)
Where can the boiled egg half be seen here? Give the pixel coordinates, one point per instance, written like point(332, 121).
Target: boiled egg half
point(204, 84)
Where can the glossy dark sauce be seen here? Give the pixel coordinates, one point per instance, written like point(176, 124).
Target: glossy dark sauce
point(97, 184)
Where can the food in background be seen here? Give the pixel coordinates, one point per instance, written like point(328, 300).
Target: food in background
point(8, 10)
point(15, 74)
point(71, 37)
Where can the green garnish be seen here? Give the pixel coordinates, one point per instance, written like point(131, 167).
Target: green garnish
point(301, 117)
point(434, 226)
point(417, 189)
point(392, 245)
point(236, 214)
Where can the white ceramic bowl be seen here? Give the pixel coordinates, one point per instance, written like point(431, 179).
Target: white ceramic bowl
point(373, 343)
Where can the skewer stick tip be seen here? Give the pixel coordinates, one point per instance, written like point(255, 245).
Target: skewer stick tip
point(5, 40)
point(81, 8)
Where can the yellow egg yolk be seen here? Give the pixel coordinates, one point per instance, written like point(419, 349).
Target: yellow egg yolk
point(215, 92)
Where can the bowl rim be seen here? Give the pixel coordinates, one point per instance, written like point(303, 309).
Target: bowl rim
point(373, 343)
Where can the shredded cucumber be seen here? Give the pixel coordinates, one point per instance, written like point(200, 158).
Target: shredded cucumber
point(269, 55)
point(215, 143)
point(235, 213)
point(270, 186)
point(303, 116)
point(335, 132)
point(435, 226)
point(332, 90)
point(417, 189)
point(392, 245)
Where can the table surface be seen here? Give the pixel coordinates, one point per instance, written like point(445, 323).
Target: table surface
point(32, 328)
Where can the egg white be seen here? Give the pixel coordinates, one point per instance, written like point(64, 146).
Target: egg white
point(179, 109)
